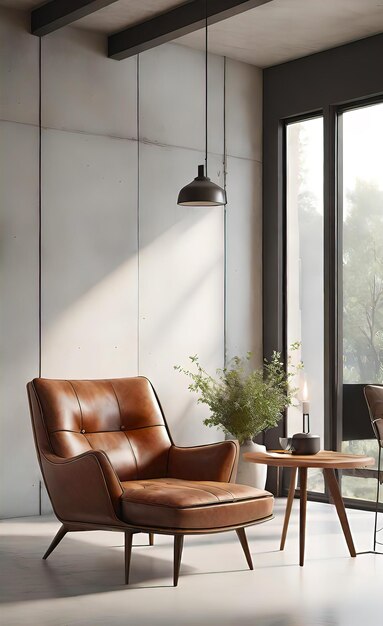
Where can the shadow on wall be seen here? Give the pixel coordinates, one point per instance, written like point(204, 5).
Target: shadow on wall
point(92, 236)
point(180, 299)
point(90, 221)
point(185, 278)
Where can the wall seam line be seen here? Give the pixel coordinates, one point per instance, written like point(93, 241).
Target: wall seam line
point(144, 141)
point(121, 138)
point(39, 221)
point(138, 213)
point(39, 291)
point(224, 221)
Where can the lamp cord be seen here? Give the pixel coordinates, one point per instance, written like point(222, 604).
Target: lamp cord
point(205, 87)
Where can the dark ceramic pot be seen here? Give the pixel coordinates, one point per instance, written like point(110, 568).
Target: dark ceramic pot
point(305, 443)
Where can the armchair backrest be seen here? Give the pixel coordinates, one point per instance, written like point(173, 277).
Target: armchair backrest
point(374, 399)
point(120, 416)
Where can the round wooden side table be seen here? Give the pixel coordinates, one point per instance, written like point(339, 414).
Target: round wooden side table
point(326, 460)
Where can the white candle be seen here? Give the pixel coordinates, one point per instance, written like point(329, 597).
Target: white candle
point(305, 396)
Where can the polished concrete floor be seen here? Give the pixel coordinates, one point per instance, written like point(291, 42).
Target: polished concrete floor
point(81, 584)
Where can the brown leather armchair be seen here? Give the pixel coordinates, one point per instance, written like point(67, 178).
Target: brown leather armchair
point(109, 463)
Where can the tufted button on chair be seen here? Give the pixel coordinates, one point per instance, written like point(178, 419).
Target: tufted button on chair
point(109, 463)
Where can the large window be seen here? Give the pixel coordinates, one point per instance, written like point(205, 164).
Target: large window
point(363, 245)
point(322, 129)
point(361, 206)
point(362, 200)
point(304, 213)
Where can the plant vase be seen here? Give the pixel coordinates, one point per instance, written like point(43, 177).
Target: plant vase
point(253, 474)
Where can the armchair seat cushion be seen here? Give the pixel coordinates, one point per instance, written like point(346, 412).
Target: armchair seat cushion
point(195, 505)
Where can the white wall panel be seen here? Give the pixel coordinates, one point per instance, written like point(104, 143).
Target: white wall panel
point(19, 69)
point(83, 89)
point(244, 258)
point(89, 260)
point(111, 307)
point(19, 474)
point(172, 98)
point(243, 110)
point(181, 286)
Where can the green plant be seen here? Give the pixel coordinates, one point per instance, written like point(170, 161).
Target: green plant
point(244, 402)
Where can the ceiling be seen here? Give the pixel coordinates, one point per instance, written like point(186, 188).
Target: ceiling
point(273, 33)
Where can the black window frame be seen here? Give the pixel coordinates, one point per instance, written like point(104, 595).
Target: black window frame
point(324, 84)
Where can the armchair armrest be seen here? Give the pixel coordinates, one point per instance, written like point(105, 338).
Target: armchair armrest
point(84, 488)
point(217, 461)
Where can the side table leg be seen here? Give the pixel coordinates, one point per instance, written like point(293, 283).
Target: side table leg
point(302, 513)
point(333, 486)
point(289, 505)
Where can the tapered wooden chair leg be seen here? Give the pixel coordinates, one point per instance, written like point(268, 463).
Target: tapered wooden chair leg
point(245, 546)
point(128, 554)
point(151, 539)
point(59, 535)
point(178, 545)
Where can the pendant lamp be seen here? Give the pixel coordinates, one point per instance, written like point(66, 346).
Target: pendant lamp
point(201, 191)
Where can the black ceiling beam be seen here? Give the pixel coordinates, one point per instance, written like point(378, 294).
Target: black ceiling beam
point(175, 23)
point(57, 13)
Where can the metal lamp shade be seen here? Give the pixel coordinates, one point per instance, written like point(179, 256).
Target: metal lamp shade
point(201, 192)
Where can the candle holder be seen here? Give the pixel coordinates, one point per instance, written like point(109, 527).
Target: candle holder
point(306, 423)
point(302, 443)
point(305, 443)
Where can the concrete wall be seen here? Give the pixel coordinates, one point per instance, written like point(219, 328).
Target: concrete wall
point(130, 282)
